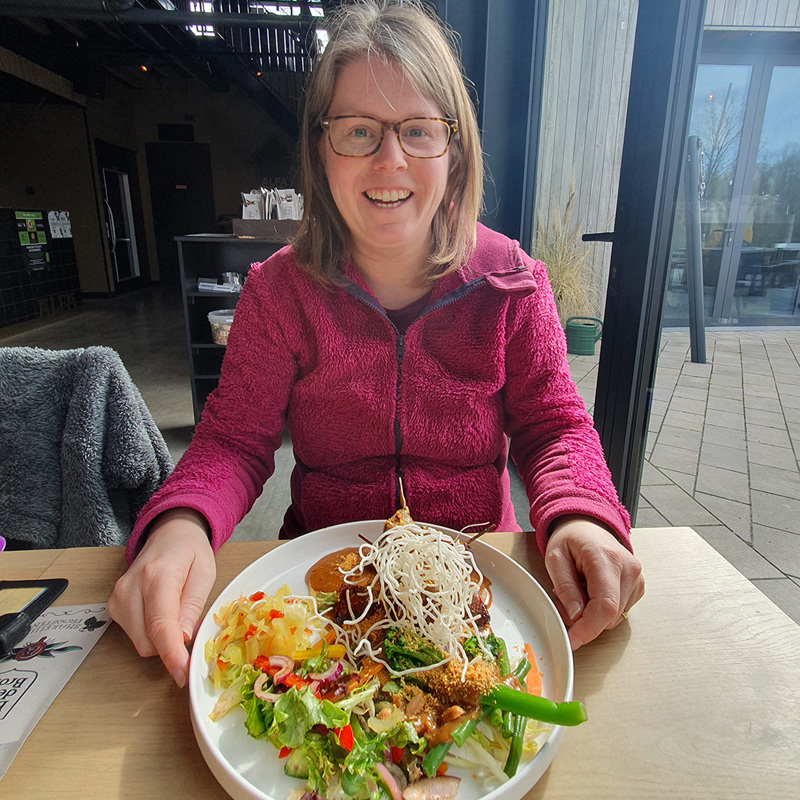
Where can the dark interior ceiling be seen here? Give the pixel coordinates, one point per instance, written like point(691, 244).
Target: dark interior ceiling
point(265, 47)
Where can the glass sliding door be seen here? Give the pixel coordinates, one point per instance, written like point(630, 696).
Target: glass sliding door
point(747, 117)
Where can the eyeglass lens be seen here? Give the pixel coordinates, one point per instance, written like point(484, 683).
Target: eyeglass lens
point(361, 136)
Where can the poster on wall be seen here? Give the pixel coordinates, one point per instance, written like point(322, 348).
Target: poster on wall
point(33, 238)
point(60, 225)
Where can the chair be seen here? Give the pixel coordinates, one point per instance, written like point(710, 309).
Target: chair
point(80, 453)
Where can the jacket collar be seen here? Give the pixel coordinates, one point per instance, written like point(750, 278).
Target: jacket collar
point(496, 261)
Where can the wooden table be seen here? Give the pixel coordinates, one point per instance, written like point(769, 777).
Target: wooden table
point(696, 696)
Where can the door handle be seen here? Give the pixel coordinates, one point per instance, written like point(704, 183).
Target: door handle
point(607, 236)
point(111, 226)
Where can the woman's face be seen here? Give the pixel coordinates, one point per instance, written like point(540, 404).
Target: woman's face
point(387, 200)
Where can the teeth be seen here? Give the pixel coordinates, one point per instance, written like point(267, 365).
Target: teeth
point(387, 196)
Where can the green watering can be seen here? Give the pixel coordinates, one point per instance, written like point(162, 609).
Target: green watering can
point(582, 333)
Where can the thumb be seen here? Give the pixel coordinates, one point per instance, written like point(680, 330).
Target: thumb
point(566, 582)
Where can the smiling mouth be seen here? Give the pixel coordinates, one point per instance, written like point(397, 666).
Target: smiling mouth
point(386, 198)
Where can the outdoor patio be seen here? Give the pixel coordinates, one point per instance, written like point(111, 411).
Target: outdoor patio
point(721, 453)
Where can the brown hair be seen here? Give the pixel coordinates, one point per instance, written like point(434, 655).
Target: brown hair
point(403, 34)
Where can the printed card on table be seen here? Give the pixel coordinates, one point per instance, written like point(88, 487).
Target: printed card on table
point(33, 674)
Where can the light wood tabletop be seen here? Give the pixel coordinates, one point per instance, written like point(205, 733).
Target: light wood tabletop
point(697, 695)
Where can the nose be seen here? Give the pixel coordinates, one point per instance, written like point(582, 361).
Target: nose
point(390, 155)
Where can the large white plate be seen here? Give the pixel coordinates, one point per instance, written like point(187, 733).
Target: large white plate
point(521, 612)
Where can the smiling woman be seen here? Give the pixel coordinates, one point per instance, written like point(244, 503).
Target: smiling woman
point(403, 344)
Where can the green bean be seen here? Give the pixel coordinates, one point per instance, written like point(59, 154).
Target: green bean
point(522, 669)
point(517, 740)
point(530, 705)
point(503, 664)
point(434, 757)
point(465, 729)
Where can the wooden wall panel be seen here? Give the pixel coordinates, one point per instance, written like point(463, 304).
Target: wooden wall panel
point(753, 14)
point(587, 70)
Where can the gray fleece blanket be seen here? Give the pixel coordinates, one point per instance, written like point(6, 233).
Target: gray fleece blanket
point(79, 452)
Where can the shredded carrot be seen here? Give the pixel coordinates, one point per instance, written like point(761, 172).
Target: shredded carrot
point(533, 680)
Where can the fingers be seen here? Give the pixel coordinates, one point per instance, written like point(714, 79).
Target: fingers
point(591, 568)
point(159, 601)
point(566, 583)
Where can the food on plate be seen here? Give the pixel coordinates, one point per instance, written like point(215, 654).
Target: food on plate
point(385, 675)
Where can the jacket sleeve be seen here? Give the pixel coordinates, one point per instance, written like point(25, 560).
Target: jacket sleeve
point(231, 455)
point(554, 445)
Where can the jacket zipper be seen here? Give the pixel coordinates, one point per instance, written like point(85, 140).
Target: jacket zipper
point(400, 351)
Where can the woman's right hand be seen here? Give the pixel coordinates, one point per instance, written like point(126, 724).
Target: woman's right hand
point(159, 600)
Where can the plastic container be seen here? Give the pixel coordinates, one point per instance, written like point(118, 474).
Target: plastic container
point(220, 325)
point(582, 333)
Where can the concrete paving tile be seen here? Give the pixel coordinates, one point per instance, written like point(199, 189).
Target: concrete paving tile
point(674, 436)
point(769, 419)
point(688, 405)
point(724, 436)
point(682, 479)
point(729, 404)
point(650, 518)
point(652, 476)
point(730, 513)
point(772, 436)
point(784, 593)
point(771, 456)
point(698, 370)
point(678, 507)
point(725, 419)
point(789, 401)
point(654, 423)
point(685, 421)
point(779, 547)
point(772, 480)
point(774, 511)
point(690, 392)
point(725, 379)
point(788, 378)
point(760, 403)
point(674, 458)
point(722, 482)
point(730, 546)
point(717, 455)
point(732, 392)
point(792, 414)
point(694, 382)
point(759, 389)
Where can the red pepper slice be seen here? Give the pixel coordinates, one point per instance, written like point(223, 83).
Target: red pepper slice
point(262, 663)
point(397, 754)
point(273, 614)
point(345, 737)
point(250, 632)
point(284, 751)
point(254, 598)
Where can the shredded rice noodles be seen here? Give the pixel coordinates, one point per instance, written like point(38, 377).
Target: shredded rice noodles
point(426, 581)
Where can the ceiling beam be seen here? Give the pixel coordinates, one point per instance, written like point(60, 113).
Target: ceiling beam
point(25, 70)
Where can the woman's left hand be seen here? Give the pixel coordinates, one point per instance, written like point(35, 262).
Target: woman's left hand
point(596, 579)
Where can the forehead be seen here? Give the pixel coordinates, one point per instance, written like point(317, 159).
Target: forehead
point(372, 87)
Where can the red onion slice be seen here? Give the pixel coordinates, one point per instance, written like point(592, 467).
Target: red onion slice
point(389, 781)
point(330, 674)
point(258, 689)
point(283, 664)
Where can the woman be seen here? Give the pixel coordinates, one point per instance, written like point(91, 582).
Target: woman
point(400, 340)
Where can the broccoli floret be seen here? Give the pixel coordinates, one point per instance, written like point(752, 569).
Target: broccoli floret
point(473, 648)
point(408, 650)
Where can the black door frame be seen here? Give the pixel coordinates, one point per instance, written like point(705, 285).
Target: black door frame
point(665, 57)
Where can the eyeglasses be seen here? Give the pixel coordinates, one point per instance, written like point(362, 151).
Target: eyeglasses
point(419, 137)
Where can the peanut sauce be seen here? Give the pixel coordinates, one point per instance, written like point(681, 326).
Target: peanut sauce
point(326, 574)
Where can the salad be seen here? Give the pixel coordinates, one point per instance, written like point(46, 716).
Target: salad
point(376, 687)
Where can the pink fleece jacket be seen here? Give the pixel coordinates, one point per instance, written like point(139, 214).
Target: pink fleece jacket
point(483, 363)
